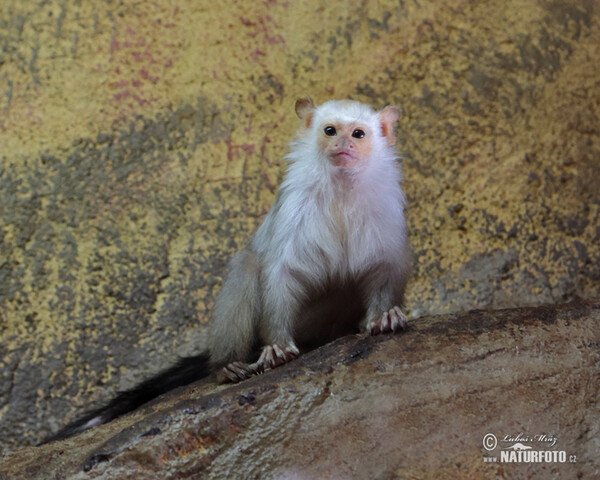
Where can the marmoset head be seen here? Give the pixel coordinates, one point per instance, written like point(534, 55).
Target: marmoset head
point(347, 132)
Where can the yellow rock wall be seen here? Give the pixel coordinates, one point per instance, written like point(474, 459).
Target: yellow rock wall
point(141, 143)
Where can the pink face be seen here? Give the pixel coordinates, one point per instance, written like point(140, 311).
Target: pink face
point(345, 145)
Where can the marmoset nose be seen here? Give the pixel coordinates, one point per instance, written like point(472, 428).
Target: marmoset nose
point(344, 142)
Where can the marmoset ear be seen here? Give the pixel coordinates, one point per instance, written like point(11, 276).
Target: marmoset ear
point(388, 117)
point(305, 108)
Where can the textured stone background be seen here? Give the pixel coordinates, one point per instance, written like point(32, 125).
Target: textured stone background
point(141, 143)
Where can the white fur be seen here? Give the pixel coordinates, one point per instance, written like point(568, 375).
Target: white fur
point(331, 220)
point(370, 200)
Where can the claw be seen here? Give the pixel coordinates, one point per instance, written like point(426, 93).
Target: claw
point(390, 321)
point(400, 320)
point(235, 372)
point(271, 356)
point(274, 355)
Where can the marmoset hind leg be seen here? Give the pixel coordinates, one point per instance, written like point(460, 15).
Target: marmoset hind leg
point(280, 306)
point(233, 331)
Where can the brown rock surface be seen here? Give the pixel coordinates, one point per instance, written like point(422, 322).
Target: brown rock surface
point(416, 405)
point(140, 145)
